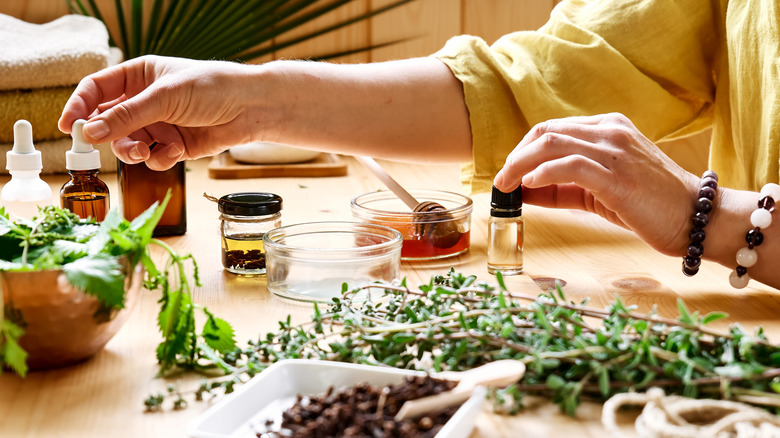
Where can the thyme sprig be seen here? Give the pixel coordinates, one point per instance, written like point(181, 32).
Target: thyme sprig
point(455, 322)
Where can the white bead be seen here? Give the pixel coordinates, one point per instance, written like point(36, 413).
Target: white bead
point(761, 218)
point(738, 282)
point(747, 257)
point(772, 190)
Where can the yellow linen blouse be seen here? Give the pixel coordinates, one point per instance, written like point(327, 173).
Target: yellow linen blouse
point(673, 67)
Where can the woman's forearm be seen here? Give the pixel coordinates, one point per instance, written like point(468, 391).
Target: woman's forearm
point(410, 110)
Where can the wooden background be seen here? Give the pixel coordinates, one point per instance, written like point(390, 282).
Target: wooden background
point(428, 24)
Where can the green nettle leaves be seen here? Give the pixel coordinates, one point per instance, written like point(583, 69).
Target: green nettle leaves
point(572, 352)
point(99, 274)
point(96, 258)
point(11, 354)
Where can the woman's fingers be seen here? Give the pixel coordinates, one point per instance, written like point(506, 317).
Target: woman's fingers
point(106, 105)
point(558, 141)
point(168, 148)
point(137, 112)
point(134, 148)
point(604, 165)
point(583, 171)
point(101, 87)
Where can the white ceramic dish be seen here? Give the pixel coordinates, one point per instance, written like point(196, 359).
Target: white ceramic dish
point(270, 153)
point(267, 395)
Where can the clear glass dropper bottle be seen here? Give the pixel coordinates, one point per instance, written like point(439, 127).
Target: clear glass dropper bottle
point(505, 232)
point(84, 194)
point(26, 191)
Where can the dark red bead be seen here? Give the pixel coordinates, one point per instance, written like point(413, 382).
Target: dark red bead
point(692, 262)
point(707, 192)
point(703, 205)
point(767, 203)
point(710, 174)
point(688, 271)
point(741, 270)
point(754, 237)
point(695, 250)
point(697, 235)
point(700, 220)
point(709, 182)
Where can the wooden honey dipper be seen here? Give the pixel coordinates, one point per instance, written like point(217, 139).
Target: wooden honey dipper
point(433, 223)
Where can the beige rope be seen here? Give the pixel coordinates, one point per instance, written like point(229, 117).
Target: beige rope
point(670, 416)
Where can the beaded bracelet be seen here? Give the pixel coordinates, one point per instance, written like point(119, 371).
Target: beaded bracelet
point(760, 218)
point(700, 219)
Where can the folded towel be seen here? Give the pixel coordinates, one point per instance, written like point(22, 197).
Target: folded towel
point(53, 155)
point(53, 54)
point(41, 107)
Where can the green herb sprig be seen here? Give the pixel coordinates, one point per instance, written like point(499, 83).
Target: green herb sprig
point(91, 256)
point(572, 351)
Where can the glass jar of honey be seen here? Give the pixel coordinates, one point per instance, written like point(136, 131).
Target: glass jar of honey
point(244, 219)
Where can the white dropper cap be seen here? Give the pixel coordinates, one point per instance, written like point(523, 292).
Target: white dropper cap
point(23, 156)
point(81, 156)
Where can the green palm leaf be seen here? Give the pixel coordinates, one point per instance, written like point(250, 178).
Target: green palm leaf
point(240, 30)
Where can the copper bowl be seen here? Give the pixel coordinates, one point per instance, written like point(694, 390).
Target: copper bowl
point(62, 325)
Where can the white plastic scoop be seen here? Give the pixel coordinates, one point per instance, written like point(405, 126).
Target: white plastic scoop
point(494, 374)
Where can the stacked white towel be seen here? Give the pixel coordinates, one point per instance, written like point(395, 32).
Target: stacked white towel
point(40, 66)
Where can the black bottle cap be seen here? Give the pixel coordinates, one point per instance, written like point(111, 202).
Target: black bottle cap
point(511, 200)
point(250, 204)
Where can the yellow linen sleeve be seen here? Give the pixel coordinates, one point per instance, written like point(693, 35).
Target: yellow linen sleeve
point(650, 60)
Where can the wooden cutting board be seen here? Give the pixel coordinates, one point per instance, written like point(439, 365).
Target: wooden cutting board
point(223, 166)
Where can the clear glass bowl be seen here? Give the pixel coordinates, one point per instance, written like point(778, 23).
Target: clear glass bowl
point(311, 261)
point(426, 235)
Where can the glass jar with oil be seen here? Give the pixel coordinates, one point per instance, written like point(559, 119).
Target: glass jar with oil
point(244, 219)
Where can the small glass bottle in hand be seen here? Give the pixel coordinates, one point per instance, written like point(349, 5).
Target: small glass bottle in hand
point(505, 232)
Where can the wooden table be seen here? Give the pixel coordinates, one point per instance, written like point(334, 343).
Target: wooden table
point(104, 395)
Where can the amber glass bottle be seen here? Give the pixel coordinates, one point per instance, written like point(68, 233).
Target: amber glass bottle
point(85, 195)
point(140, 187)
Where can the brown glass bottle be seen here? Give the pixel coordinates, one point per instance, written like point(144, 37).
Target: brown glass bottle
point(85, 195)
point(140, 187)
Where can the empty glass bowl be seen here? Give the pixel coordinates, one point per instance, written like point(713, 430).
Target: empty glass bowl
point(311, 261)
point(427, 235)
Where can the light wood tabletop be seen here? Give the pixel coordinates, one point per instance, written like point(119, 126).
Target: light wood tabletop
point(104, 395)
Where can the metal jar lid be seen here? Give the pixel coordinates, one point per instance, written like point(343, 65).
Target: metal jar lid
point(250, 204)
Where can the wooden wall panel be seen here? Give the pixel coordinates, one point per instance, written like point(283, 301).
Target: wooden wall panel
point(490, 19)
point(347, 38)
point(34, 11)
point(429, 23)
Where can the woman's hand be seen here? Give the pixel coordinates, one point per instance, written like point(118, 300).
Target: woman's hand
point(190, 108)
point(604, 165)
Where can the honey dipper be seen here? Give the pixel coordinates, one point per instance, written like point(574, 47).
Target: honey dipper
point(438, 228)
